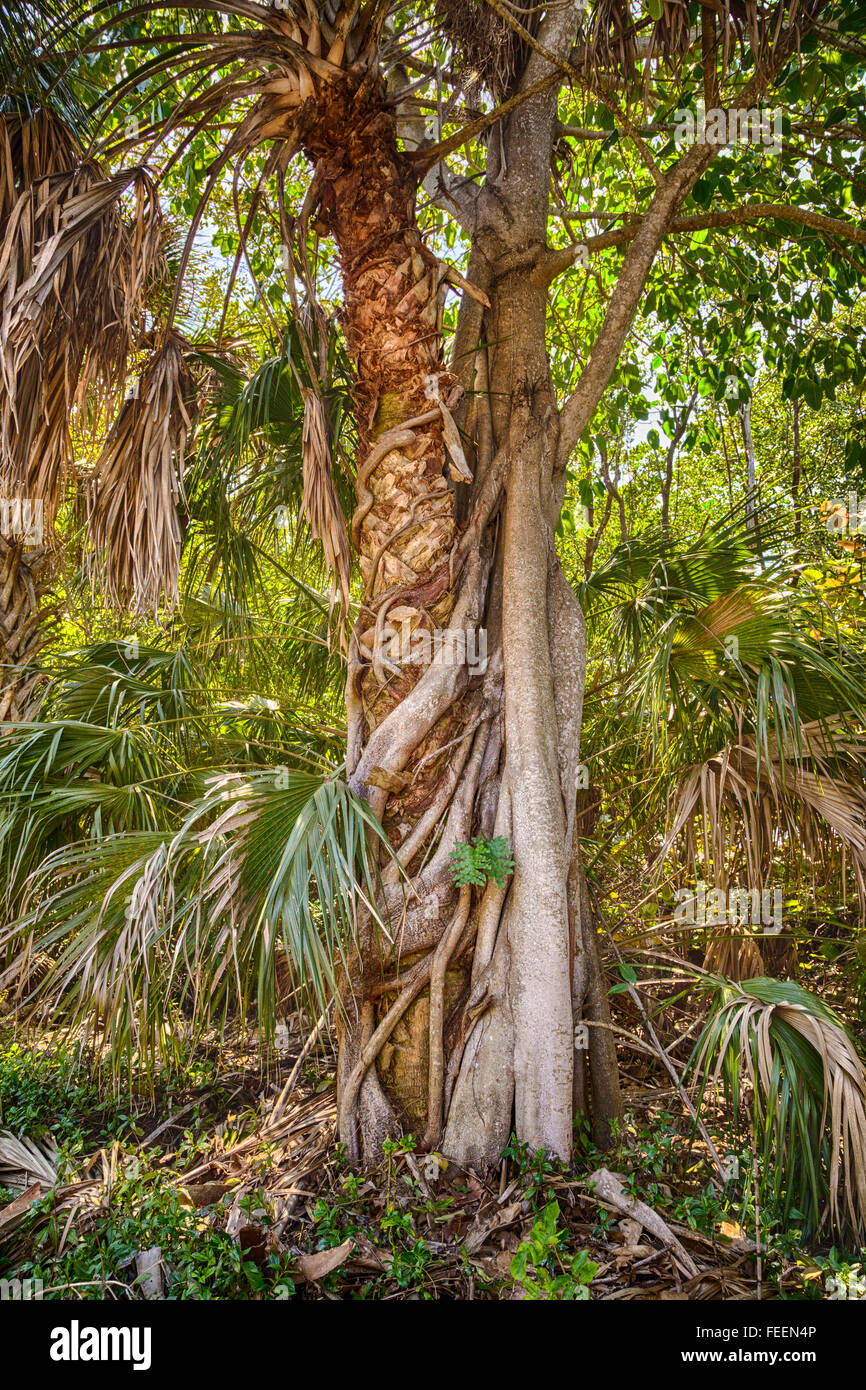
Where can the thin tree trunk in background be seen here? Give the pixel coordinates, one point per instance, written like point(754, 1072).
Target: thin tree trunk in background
point(666, 486)
point(612, 486)
point(724, 439)
point(592, 1003)
point(748, 444)
point(795, 467)
point(679, 431)
point(795, 487)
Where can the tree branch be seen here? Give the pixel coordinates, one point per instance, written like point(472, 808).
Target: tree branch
point(645, 242)
point(424, 160)
point(561, 260)
point(578, 410)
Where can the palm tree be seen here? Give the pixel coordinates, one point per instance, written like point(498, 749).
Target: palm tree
point(76, 269)
point(35, 142)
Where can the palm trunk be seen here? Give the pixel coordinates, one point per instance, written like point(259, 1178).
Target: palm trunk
point(462, 1029)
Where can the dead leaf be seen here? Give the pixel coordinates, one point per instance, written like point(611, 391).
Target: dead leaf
point(482, 1227)
point(370, 1256)
point(324, 1262)
point(257, 1243)
point(627, 1253)
point(731, 1230)
point(204, 1194)
point(15, 1209)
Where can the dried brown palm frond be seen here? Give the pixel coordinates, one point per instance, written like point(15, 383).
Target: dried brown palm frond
point(31, 970)
point(610, 39)
point(734, 954)
point(788, 794)
point(74, 272)
point(672, 36)
point(486, 48)
point(24, 1161)
point(321, 504)
point(724, 806)
point(616, 35)
point(78, 239)
point(32, 146)
point(285, 982)
point(25, 574)
point(132, 504)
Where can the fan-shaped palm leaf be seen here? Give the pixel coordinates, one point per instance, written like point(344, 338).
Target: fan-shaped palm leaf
point(808, 1094)
point(166, 933)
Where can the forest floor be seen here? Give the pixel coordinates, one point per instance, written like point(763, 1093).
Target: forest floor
point(227, 1183)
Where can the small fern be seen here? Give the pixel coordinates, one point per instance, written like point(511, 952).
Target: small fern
point(481, 860)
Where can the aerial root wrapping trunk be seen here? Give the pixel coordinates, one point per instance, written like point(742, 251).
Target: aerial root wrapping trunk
point(460, 1026)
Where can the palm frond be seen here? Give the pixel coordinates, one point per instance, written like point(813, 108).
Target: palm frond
point(255, 484)
point(64, 780)
point(25, 622)
point(117, 683)
point(73, 280)
point(321, 505)
point(730, 805)
point(133, 504)
point(23, 1161)
point(34, 145)
point(165, 934)
point(37, 79)
point(808, 1094)
point(656, 570)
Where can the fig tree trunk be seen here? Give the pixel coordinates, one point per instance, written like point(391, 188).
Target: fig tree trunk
point(466, 667)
